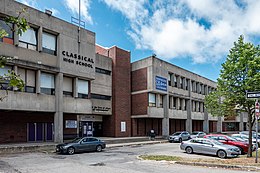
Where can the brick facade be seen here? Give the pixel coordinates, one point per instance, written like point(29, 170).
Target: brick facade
point(142, 126)
point(14, 124)
point(139, 104)
point(139, 80)
point(121, 92)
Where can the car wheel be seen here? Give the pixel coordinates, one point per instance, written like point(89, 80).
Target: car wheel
point(189, 150)
point(71, 150)
point(180, 140)
point(99, 148)
point(221, 154)
point(242, 151)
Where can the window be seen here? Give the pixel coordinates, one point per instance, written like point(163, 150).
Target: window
point(152, 99)
point(28, 76)
point(8, 28)
point(49, 43)
point(29, 39)
point(103, 71)
point(3, 79)
point(67, 86)
point(101, 97)
point(47, 83)
point(174, 102)
point(169, 79)
point(83, 88)
point(175, 80)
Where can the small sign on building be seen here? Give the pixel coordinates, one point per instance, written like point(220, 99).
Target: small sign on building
point(161, 83)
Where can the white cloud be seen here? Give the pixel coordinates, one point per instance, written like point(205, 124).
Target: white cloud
point(202, 30)
point(55, 12)
point(73, 6)
point(31, 3)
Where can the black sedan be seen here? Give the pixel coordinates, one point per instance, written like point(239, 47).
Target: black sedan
point(81, 145)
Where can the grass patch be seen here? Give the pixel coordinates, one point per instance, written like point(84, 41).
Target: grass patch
point(160, 157)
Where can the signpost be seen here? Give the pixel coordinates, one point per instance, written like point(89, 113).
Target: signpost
point(255, 95)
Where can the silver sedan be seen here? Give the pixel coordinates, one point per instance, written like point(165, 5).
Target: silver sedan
point(211, 147)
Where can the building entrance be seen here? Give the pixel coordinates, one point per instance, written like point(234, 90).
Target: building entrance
point(86, 128)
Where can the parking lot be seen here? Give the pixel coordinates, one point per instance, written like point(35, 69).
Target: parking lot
point(118, 159)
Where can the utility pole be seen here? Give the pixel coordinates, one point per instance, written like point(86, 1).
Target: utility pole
point(256, 127)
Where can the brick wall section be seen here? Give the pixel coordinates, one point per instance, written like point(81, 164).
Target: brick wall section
point(121, 92)
point(69, 131)
point(139, 104)
point(142, 126)
point(139, 80)
point(14, 124)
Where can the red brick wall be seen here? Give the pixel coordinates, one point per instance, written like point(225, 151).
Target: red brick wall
point(177, 125)
point(139, 104)
point(69, 131)
point(14, 124)
point(102, 51)
point(139, 79)
point(121, 92)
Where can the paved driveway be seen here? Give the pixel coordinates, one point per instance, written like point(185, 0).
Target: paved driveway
point(120, 160)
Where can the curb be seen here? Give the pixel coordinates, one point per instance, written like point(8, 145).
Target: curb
point(134, 144)
point(240, 167)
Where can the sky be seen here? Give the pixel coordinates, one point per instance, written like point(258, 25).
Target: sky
point(193, 34)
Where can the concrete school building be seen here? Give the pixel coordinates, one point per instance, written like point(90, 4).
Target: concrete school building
point(74, 87)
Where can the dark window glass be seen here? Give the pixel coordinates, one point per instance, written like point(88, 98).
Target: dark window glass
point(84, 96)
point(101, 97)
point(67, 93)
point(9, 30)
point(29, 89)
point(103, 71)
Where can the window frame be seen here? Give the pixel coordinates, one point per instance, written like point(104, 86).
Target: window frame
point(28, 44)
point(152, 104)
point(46, 50)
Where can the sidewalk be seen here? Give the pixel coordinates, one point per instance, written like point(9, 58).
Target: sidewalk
point(110, 143)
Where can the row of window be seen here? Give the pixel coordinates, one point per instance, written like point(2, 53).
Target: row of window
point(47, 83)
point(183, 83)
point(174, 103)
point(29, 39)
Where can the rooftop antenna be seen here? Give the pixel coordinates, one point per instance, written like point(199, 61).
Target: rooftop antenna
point(79, 24)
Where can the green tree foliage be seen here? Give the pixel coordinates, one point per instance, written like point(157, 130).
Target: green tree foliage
point(21, 25)
point(239, 74)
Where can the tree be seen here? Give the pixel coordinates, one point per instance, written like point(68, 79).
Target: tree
point(239, 74)
point(21, 25)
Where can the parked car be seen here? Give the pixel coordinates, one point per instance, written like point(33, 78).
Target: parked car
point(230, 141)
point(211, 147)
point(245, 138)
point(81, 145)
point(179, 136)
point(197, 134)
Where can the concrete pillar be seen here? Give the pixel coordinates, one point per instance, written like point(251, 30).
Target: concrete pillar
point(157, 97)
point(183, 104)
point(206, 90)
point(170, 102)
point(178, 81)
point(58, 117)
point(165, 121)
point(189, 120)
point(39, 39)
point(172, 79)
point(38, 82)
point(177, 103)
point(75, 87)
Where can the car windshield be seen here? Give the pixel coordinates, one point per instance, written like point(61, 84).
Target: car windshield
point(231, 139)
point(216, 142)
point(194, 133)
point(76, 140)
point(177, 133)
